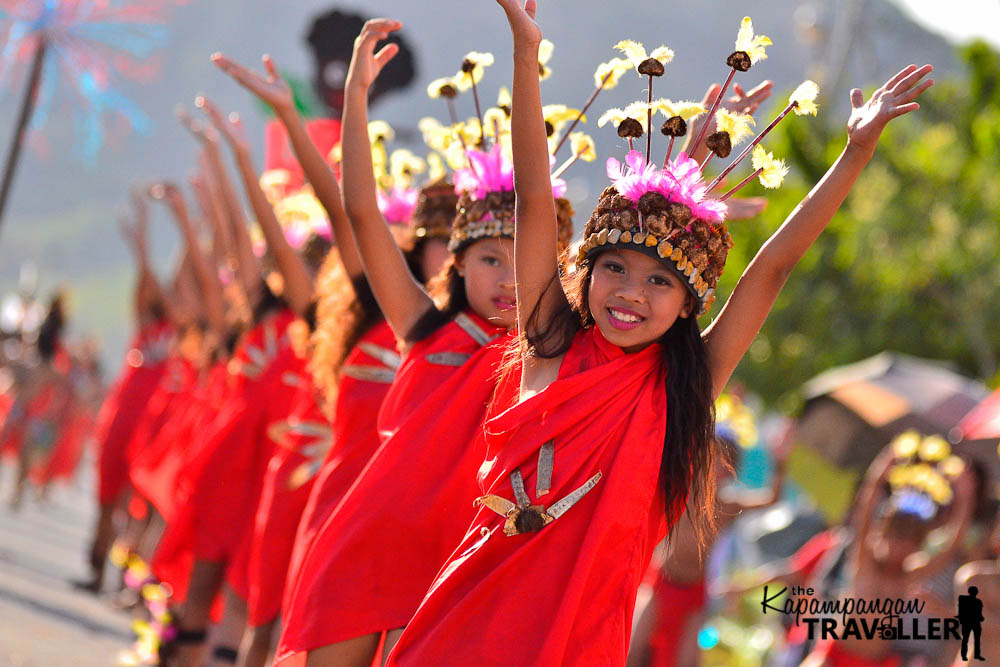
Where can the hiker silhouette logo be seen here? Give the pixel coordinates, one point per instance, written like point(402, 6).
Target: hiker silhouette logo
point(970, 615)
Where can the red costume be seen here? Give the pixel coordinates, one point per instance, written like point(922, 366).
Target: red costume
point(372, 560)
point(588, 447)
point(676, 604)
point(222, 474)
point(306, 440)
point(155, 469)
point(126, 402)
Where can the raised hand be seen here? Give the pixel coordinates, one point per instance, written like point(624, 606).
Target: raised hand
point(746, 101)
point(205, 135)
point(270, 88)
point(895, 98)
point(522, 21)
point(229, 126)
point(741, 101)
point(169, 193)
point(365, 63)
point(745, 208)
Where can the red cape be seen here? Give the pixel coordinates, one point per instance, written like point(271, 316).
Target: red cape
point(311, 445)
point(563, 595)
point(126, 402)
point(371, 561)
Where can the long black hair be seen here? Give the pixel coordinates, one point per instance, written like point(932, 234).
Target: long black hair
point(448, 291)
point(686, 477)
point(345, 310)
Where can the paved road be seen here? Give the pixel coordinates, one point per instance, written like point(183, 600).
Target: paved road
point(44, 622)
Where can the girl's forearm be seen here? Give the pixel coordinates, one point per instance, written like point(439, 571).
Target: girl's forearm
point(247, 267)
point(325, 186)
point(298, 283)
point(208, 281)
point(529, 141)
point(805, 224)
point(360, 190)
point(401, 298)
point(536, 238)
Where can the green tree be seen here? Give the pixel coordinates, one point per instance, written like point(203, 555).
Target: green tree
point(909, 263)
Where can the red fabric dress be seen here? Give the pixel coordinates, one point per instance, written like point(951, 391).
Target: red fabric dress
point(126, 402)
point(371, 562)
point(309, 444)
point(154, 471)
point(223, 468)
point(564, 595)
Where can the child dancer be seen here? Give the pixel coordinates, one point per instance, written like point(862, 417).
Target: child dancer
point(353, 362)
point(123, 407)
point(367, 568)
point(611, 438)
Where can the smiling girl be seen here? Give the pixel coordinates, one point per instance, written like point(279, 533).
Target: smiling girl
point(370, 564)
point(611, 438)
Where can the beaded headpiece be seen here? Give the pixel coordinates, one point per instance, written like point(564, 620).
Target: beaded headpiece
point(665, 210)
point(920, 477)
point(479, 152)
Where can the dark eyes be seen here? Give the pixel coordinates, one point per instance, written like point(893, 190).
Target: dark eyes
point(660, 280)
point(656, 279)
point(491, 261)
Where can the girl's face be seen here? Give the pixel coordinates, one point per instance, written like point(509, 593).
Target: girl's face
point(433, 255)
point(634, 299)
point(487, 266)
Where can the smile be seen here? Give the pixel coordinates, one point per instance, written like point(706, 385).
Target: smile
point(624, 319)
point(504, 304)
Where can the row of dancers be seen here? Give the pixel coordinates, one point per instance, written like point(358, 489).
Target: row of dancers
point(447, 438)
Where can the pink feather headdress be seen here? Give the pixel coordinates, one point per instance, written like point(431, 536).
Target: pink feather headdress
point(668, 211)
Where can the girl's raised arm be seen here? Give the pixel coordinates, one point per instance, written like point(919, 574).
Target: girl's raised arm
point(275, 92)
point(298, 290)
point(149, 290)
point(402, 299)
point(211, 210)
point(536, 255)
point(208, 278)
point(247, 267)
point(729, 336)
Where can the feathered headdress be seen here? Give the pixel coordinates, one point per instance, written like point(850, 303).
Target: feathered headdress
point(667, 210)
point(479, 152)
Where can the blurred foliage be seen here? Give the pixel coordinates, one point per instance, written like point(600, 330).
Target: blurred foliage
point(909, 263)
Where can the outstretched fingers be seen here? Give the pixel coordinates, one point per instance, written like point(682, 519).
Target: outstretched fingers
point(899, 76)
point(272, 69)
point(376, 30)
point(898, 111)
point(910, 80)
point(245, 77)
point(385, 54)
point(857, 98)
point(915, 92)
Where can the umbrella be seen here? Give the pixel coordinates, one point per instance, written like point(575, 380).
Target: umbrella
point(853, 411)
